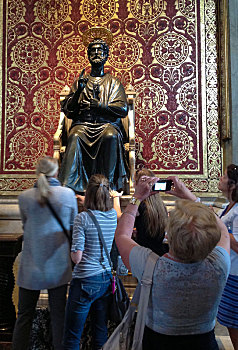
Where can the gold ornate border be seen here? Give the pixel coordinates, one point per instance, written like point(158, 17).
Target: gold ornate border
point(207, 182)
point(213, 141)
point(1, 64)
point(224, 70)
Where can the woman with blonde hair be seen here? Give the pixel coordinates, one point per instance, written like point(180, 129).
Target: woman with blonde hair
point(45, 261)
point(188, 281)
point(91, 283)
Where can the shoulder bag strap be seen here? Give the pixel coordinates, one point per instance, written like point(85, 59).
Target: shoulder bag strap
point(58, 219)
point(100, 235)
point(146, 283)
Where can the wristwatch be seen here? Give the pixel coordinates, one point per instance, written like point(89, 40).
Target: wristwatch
point(135, 200)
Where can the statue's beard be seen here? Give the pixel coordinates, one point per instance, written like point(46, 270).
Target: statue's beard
point(97, 61)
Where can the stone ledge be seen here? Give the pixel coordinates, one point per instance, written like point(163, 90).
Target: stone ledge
point(10, 220)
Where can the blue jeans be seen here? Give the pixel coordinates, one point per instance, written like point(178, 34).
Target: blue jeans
point(84, 293)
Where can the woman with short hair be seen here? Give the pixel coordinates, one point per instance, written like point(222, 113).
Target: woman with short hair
point(91, 283)
point(45, 259)
point(189, 280)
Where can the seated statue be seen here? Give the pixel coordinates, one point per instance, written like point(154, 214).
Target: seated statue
point(96, 104)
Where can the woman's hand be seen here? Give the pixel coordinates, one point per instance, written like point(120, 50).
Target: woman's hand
point(116, 202)
point(180, 190)
point(80, 199)
point(143, 187)
point(76, 256)
point(115, 194)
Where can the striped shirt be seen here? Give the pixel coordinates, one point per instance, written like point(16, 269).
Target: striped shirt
point(85, 238)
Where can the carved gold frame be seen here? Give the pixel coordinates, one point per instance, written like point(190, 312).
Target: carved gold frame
point(224, 70)
point(1, 63)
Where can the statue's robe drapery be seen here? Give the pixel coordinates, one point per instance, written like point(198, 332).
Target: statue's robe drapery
point(95, 143)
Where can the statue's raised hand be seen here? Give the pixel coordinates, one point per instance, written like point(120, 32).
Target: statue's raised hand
point(72, 103)
point(82, 81)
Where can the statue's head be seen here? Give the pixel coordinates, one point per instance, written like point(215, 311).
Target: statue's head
point(98, 52)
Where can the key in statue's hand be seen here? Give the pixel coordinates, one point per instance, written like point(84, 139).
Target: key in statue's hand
point(94, 103)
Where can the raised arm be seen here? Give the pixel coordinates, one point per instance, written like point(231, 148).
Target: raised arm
point(126, 223)
point(225, 237)
point(234, 235)
point(116, 202)
point(70, 103)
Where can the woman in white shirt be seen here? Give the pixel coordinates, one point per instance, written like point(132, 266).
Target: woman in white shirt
point(228, 309)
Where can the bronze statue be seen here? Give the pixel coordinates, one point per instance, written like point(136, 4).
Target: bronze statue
point(96, 104)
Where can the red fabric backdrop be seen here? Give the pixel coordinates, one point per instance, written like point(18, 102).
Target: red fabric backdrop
point(156, 49)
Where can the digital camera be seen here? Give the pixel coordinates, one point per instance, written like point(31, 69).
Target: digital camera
point(162, 185)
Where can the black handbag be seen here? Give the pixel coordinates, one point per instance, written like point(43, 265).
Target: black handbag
point(120, 301)
point(119, 297)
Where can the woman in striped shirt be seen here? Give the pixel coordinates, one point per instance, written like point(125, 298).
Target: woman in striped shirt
point(91, 283)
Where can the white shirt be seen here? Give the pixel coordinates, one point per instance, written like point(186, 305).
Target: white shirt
point(230, 219)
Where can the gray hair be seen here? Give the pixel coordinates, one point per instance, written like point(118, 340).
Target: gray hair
point(45, 167)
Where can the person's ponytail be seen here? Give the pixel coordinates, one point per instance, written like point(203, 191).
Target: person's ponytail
point(97, 196)
point(46, 167)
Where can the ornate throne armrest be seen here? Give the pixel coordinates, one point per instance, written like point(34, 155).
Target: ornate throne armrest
point(58, 148)
point(131, 95)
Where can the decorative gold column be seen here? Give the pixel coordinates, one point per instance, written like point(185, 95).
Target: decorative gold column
point(224, 70)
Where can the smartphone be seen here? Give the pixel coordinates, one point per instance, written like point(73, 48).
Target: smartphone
point(162, 185)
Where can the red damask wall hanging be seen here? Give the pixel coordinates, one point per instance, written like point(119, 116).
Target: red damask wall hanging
point(165, 49)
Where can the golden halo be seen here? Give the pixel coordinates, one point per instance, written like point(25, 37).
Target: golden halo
point(97, 33)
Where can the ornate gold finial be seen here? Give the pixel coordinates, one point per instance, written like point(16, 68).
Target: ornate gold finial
point(97, 33)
